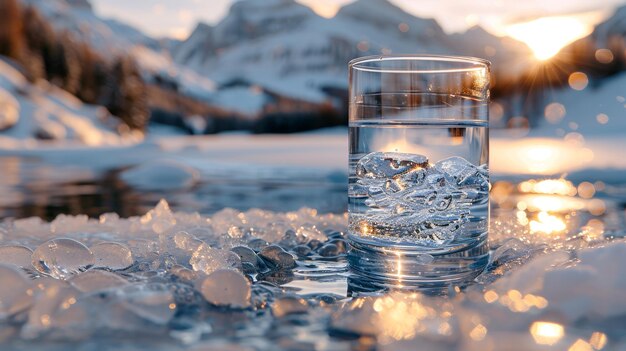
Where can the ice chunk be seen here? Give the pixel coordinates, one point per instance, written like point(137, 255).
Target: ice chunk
point(207, 260)
point(409, 200)
point(389, 164)
point(161, 175)
point(459, 171)
point(67, 224)
point(113, 256)
point(52, 296)
point(16, 255)
point(226, 287)
point(15, 292)
point(288, 305)
point(186, 242)
point(184, 273)
point(180, 245)
point(96, 280)
point(153, 302)
point(61, 258)
point(277, 257)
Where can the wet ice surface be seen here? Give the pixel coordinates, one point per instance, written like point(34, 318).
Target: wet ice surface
point(260, 280)
point(410, 200)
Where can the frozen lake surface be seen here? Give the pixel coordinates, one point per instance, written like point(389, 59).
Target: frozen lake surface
point(199, 276)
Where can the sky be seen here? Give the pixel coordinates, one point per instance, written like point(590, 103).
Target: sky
point(566, 21)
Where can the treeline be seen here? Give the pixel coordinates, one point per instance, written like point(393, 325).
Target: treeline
point(29, 39)
point(275, 122)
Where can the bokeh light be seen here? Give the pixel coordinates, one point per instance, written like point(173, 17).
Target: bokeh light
point(546, 333)
point(578, 81)
point(602, 118)
point(554, 112)
point(604, 56)
point(586, 190)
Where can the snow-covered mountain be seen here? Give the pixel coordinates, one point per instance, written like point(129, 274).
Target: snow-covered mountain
point(43, 111)
point(285, 47)
point(280, 45)
point(614, 26)
point(112, 38)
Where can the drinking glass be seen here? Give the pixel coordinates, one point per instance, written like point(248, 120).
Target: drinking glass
point(419, 178)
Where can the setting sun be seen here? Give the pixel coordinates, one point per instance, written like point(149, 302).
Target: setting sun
point(546, 36)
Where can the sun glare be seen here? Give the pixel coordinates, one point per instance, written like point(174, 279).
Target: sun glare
point(323, 8)
point(547, 35)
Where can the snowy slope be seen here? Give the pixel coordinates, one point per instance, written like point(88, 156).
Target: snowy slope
point(509, 57)
point(112, 38)
point(79, 19)
point(46, 112)
point(613, 26)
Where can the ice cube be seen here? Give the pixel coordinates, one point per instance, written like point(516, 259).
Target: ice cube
point(61, 258)
point(207, 260)
point(15, 291)
point(457, 169)
point(96, 280)
point(226, 287)
point(113, 256)
point(389, 164)
point(17, 255)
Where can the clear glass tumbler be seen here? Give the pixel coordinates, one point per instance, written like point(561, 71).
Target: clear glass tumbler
point(419, 177)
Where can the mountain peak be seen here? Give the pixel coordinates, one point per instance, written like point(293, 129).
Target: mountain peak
point(255, 4)
point(371, 5)
point(80, 4)
point(252, 19)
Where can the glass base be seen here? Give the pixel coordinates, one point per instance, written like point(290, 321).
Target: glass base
point(413, 267)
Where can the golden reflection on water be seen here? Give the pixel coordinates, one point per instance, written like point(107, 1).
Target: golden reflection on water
point(546, 333)
point(401, 318)
point(598, 340)
point(551, 207)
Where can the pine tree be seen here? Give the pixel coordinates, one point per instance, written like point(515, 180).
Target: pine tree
point(39, 40)
point(126, 94)
point(10, 29)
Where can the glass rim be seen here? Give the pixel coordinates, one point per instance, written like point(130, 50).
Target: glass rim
point(474, 63)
